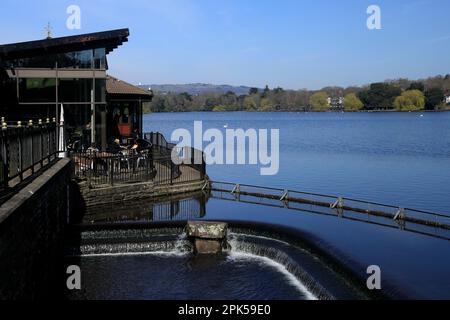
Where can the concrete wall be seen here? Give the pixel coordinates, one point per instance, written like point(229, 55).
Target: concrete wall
point(31, 233)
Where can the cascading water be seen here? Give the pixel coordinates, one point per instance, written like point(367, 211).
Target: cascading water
point(242, 246)
point(251, 267)
point(129, 241)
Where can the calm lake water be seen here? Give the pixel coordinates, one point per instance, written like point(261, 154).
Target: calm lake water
point(395, 158)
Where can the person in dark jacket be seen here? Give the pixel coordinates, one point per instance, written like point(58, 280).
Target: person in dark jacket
point(116, 147)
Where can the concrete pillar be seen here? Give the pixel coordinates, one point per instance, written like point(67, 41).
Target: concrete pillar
point(208, 237)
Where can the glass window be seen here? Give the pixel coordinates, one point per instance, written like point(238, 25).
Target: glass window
point(77, 122)
point(8, 88)
point(100, 58)
point(78, 59)
point(47, 61)
point(100, 90)
point(37, 90)
point(75, 90)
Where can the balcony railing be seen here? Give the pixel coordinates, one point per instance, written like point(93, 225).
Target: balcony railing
point(162, 163)
point(24, 151)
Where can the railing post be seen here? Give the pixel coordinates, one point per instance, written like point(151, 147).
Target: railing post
point(171, 171)
point(20, 145)
point(47, 132)
point(31, 133)
point(42, 143)
point(339, 204)
point(151, 158)
point(203, 166)
point(400, 218)
point(111, 171)
point(55, 138)
point(5, 155)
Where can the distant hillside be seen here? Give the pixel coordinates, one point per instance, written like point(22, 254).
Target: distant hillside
point(196, 88)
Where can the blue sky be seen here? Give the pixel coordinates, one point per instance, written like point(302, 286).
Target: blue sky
point(289, 43)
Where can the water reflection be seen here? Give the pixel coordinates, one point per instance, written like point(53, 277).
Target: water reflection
point(176, 208)
point(194, 206)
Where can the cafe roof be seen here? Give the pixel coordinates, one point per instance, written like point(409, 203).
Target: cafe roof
point(109, 40)
point(116, 86)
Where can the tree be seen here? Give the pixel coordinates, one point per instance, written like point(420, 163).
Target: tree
point(266, 105)
point(380, 96)
point(253, 91)
point(319, 101)
point(417, 86)
point(157, 105)
point(411, 100)
point(266, 92)
point(229, 100)
point(251, 103)
point(433, 98)
point(352, 103)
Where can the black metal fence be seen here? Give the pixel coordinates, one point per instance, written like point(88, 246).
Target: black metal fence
point(186, 155)
point(25, 150)
point(162, 163)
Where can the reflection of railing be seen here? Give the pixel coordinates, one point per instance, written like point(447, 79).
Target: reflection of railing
point(180, 210)
point(25, 150)
point(418, 221)
point(175, 208)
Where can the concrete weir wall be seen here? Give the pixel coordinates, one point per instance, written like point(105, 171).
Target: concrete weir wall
point(31, 232)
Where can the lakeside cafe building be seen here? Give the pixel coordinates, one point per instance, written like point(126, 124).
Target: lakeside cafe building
point(65, 79)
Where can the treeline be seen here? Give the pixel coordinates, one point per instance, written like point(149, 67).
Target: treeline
point(400, 94)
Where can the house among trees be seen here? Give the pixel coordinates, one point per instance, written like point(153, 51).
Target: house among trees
point(336, 103)
point(447, 98)
point(65, 79)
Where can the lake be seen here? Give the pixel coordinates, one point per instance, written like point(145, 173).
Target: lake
point(394, 158)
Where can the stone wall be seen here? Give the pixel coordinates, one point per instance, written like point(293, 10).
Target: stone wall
point(31, 232)
point(129, 193)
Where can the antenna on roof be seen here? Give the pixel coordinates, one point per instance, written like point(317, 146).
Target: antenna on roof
point(49, 31)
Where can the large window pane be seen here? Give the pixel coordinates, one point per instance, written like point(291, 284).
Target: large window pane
point(100, 90)
point(47, 61)
point(79, 59)
point(75, 90)
point(100, 58)
point(77, 122)
point(37, 90)
point(8, 89)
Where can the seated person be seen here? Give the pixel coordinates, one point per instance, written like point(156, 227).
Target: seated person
point(93, 148)
point(116, 147)
point(136, 147)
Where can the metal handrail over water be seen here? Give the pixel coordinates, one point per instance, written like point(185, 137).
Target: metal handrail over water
point(419, 221)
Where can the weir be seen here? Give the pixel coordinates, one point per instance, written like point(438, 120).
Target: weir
point(311, 277)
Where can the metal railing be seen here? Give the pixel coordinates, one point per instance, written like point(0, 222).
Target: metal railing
point(24, 151)
point(418, 221)
point(187, 155)
point(154, 164)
